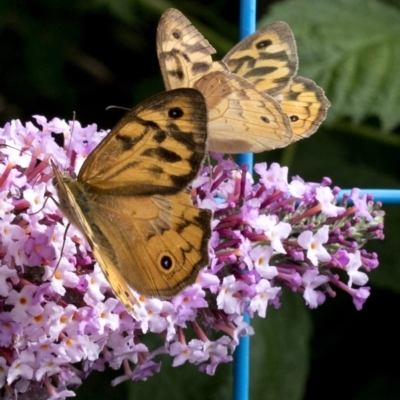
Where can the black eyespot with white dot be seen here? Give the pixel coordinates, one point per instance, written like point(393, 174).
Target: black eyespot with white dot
point(263, 44)
point(294, 118)
point(166, 262)
point(175, 113)
point(176, 34)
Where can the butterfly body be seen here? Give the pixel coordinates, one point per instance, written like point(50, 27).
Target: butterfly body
point(130, 198)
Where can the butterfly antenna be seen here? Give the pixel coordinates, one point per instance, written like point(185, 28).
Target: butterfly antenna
point(119, 107)
point(210, 168)
point(232, 159)
point(62, 248)
point(208, 159)
point(41, 208)
point(68, 150)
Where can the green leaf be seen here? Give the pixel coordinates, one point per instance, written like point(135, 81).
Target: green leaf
point(352, 49)
point(122, 9)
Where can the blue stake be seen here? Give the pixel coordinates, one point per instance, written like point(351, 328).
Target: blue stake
point(241, 362)
point(241, 367)
point(386, 196)
point(247, 25)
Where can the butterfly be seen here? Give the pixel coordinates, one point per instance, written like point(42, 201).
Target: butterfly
point(255, 101)
point(130, 199)
point(241, 118)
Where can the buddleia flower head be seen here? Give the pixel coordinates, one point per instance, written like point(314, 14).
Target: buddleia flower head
point(59, 319)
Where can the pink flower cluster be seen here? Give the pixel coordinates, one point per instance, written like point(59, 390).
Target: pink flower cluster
point(57, 325)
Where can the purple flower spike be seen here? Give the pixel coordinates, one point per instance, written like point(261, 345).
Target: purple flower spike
point(57, 325)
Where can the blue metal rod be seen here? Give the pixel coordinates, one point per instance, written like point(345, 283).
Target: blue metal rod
point(386, 196)
point(247, 25)
point(241, 357)
point(241, 367)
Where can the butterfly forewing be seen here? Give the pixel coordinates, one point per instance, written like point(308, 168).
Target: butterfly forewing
point(183, 53)
point(159, 146)
point(267, 58)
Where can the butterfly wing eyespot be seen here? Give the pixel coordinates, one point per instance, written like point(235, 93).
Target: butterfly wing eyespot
point(165, 262)
point(175, 113)
point(130, 199)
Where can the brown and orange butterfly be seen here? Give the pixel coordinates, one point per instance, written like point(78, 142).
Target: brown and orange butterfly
point(241, 118)
point(256, 102)
point(131, 202)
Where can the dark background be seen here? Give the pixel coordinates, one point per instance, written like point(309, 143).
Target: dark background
point(82, 56)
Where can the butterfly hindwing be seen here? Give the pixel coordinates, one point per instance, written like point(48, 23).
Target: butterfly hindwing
point(73, 210)
point(305, 104)
point(157, 243)
point(252, 121)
